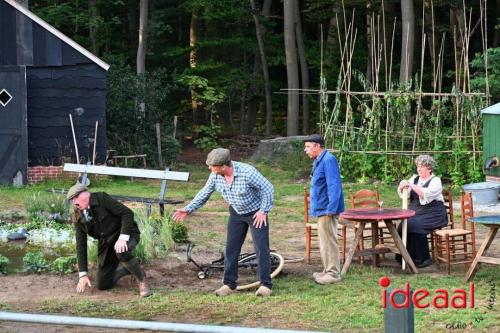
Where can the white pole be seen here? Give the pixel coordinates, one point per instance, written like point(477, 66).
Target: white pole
point(134, 324)
point(74, 138)
point(405, 222)
point(95, 142)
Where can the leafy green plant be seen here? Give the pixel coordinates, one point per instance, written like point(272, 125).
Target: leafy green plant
point(179, 231)
point(4, 261)
point(64, 265)
point(207, 137)
point(34, 262)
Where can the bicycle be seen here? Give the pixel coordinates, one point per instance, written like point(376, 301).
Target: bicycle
point(246, 260)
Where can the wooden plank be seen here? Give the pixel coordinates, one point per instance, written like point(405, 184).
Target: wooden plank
point(127, 172)
point(490, 260)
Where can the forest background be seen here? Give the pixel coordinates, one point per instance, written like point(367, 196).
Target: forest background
point(382, 80)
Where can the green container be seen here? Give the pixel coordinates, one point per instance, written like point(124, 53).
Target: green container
point(491, 137)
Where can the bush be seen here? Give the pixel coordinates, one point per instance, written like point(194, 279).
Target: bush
point(43, 209)
point(64, 265)
point(4, 261)
point(179, 232)
point(34, 262)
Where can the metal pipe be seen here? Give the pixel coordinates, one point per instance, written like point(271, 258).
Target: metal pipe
point(134, 324)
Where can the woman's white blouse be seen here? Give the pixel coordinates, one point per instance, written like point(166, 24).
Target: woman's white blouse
point(432, 192)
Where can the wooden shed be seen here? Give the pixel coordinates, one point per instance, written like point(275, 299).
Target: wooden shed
point(491, 142)
point(44, 77)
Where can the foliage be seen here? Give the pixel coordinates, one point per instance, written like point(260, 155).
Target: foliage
point(478, 81)
point(133, 130)
point(179, 231)
point(207, 138)
point(157, 235)
point(4, 262)
point(64, 265)
point(34, 262)
point(48, 209)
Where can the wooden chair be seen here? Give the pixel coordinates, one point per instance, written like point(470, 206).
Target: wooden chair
point(448, 204)
point(458, 245)
point(312, 241)
point(365, 198)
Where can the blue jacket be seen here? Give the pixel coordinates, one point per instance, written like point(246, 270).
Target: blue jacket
point(326, 193)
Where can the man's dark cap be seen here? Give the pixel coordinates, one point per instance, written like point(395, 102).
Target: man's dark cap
point(314, 138)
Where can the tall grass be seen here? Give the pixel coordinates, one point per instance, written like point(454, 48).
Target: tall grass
point(156, 235)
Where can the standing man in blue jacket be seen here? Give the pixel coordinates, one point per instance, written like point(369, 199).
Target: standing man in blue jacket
point(327, 202)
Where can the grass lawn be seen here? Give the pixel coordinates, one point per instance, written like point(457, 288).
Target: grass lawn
point(354, 305)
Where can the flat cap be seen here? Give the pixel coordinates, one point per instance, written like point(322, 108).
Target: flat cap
point(219, 156)
point(75, 190)
point(315, 138)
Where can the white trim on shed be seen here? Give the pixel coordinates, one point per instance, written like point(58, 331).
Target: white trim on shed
point(58, 34)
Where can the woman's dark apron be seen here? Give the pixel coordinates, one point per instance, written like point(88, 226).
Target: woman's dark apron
point(427, 217)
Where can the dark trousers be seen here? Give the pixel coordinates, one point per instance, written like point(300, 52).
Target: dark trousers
point(106, 271)
point(237, 228)
point(417, 246)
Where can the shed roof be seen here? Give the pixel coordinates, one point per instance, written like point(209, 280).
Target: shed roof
point(493, 109)
point(58, 34)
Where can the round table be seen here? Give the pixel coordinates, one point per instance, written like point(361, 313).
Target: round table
point(362, 216)
point(493, 223)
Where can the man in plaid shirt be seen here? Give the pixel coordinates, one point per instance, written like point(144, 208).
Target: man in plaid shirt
point(250, 197)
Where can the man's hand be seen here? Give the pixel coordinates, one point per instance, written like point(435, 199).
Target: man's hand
point(259, 219)
point(121, 246)
point(83, 282)
point(180, 214)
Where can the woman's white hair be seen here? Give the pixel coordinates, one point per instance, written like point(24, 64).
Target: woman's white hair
point(426, 161)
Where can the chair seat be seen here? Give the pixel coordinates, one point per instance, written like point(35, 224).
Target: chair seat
point(453, 232)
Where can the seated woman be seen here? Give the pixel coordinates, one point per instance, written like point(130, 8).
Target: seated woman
point(426, 199)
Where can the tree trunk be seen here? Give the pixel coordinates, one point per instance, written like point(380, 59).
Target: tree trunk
point(93, 29)
point(429, 28)
point(292, 122)
point(304, 71)
point(370, 40)
point(198, 118)
point(408, 40)
point(263, 60)
point(332, 49)
point(142, 45)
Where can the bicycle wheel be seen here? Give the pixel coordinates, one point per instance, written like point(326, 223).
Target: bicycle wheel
point(250, 261)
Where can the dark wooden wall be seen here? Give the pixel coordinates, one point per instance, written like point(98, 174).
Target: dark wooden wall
point(60, 80)
point(53, 94)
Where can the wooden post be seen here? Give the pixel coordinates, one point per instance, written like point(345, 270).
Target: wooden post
point(74, 139)
point(399, 320)
point(175, 127)
point(95, 142)
point(158, 140)
point(405, 222)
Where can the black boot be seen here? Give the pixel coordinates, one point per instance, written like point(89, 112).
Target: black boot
point(135, 268)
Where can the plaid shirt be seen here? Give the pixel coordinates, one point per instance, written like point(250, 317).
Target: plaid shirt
point(248, 192)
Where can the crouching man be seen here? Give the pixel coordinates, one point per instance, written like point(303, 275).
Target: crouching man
point(112, 224)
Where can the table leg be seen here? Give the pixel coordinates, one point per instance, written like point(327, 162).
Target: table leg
point(486, 244)
point(353, 247)
point(400, 245)
point(375, 257)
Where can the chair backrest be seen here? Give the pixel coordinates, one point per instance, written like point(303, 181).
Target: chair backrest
point(306, 205)
point(364, 199)
point(448, 203)
point(467, 209)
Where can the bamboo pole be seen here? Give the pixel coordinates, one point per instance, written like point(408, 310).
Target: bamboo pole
point(74, 139)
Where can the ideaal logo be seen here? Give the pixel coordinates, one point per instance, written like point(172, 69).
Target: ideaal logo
point(422, 298)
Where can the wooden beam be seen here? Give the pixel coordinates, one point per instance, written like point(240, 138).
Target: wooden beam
point(128, 172)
